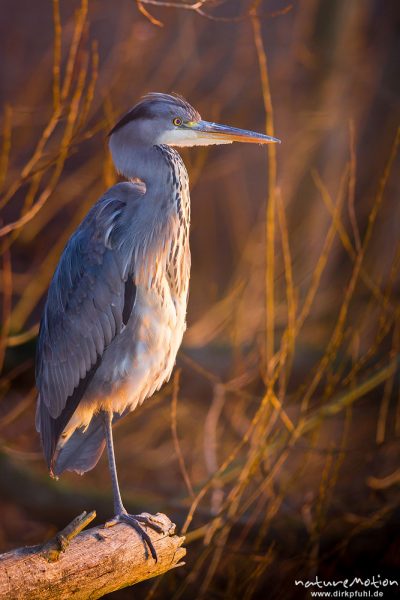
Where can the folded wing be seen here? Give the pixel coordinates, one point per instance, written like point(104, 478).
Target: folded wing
point(90, 300)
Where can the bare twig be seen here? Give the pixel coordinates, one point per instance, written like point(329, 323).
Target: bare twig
point(174, 429)
point(270, 211)
point(6, 300)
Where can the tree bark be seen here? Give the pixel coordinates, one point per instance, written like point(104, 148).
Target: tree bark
point(89, 564)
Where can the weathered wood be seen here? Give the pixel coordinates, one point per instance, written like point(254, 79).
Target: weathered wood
point(95, 562)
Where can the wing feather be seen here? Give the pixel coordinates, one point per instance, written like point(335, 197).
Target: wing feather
point(90, 299)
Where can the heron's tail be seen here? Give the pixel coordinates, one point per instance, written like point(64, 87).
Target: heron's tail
point(82, 451)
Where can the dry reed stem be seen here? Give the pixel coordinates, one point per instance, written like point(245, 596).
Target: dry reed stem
point(228, 461)
point(197, 7)
point(370, 352)
point(91, 87)
point(352, 188)
point(57, 56)
point(32, 162)
point(148, 15)
point(388, 387)
point(210, 443)
point(344, 238)
point(80, 23)
point(59, 107)
point(315, 282)
point(365, 524)
point(270, 211)
point(288, 341)
point(384, 483)
point(323, 258)
point(174, 430)
point(7, 292)
point(332, 408)
point(6, 144)
point(337, 335)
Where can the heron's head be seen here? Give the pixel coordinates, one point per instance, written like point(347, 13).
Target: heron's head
point(168, 119)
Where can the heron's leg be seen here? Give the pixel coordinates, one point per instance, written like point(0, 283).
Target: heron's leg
point(118, 506)
point(121, 515)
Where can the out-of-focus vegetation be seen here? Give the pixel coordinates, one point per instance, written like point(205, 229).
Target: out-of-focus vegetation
point(275, 447)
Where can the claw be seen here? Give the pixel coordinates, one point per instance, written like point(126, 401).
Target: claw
point(135, 522)
point(112, 522)
point(150, 521)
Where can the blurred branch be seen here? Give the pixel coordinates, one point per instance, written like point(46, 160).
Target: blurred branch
point(388, 389)
point(6, 146)
point(256, 452)
point(198, 7)
point(22, 338)
point(148, 15)
point(352, 188)
point(63, 105)
point(174, 429)
point(344, 237)
point(270, 210)
point(288, 341)
point(56, 54)
point(384, 483)
point(89, 564)
point(210, 442)
point(65, 145)
point(7, 290)
point(347, 398)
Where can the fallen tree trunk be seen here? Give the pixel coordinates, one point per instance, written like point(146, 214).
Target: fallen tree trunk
point(88, 564)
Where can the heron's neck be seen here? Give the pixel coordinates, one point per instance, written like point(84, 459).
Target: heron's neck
point(142, 162)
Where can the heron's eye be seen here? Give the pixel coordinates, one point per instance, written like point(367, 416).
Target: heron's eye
point(177, 121)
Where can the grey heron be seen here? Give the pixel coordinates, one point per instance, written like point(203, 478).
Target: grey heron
point(115, 312)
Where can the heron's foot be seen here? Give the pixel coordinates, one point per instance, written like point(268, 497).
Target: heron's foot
point(137, 522)
point(161, 525)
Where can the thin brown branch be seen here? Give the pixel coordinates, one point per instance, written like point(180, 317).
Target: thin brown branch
point(148, 15)
point(210, 443)
point(7, 288)
point(65, 144)
point(56, 55)
point(352, 188)
point(174, 429)
point(198, 8)
point(270, 211)
point(6, 145)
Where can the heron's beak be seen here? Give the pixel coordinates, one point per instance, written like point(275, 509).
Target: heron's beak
point(214, 133)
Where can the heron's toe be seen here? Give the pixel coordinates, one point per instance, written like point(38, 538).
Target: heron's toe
point(112, 522)
point(134, 522)
point(159, 523)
